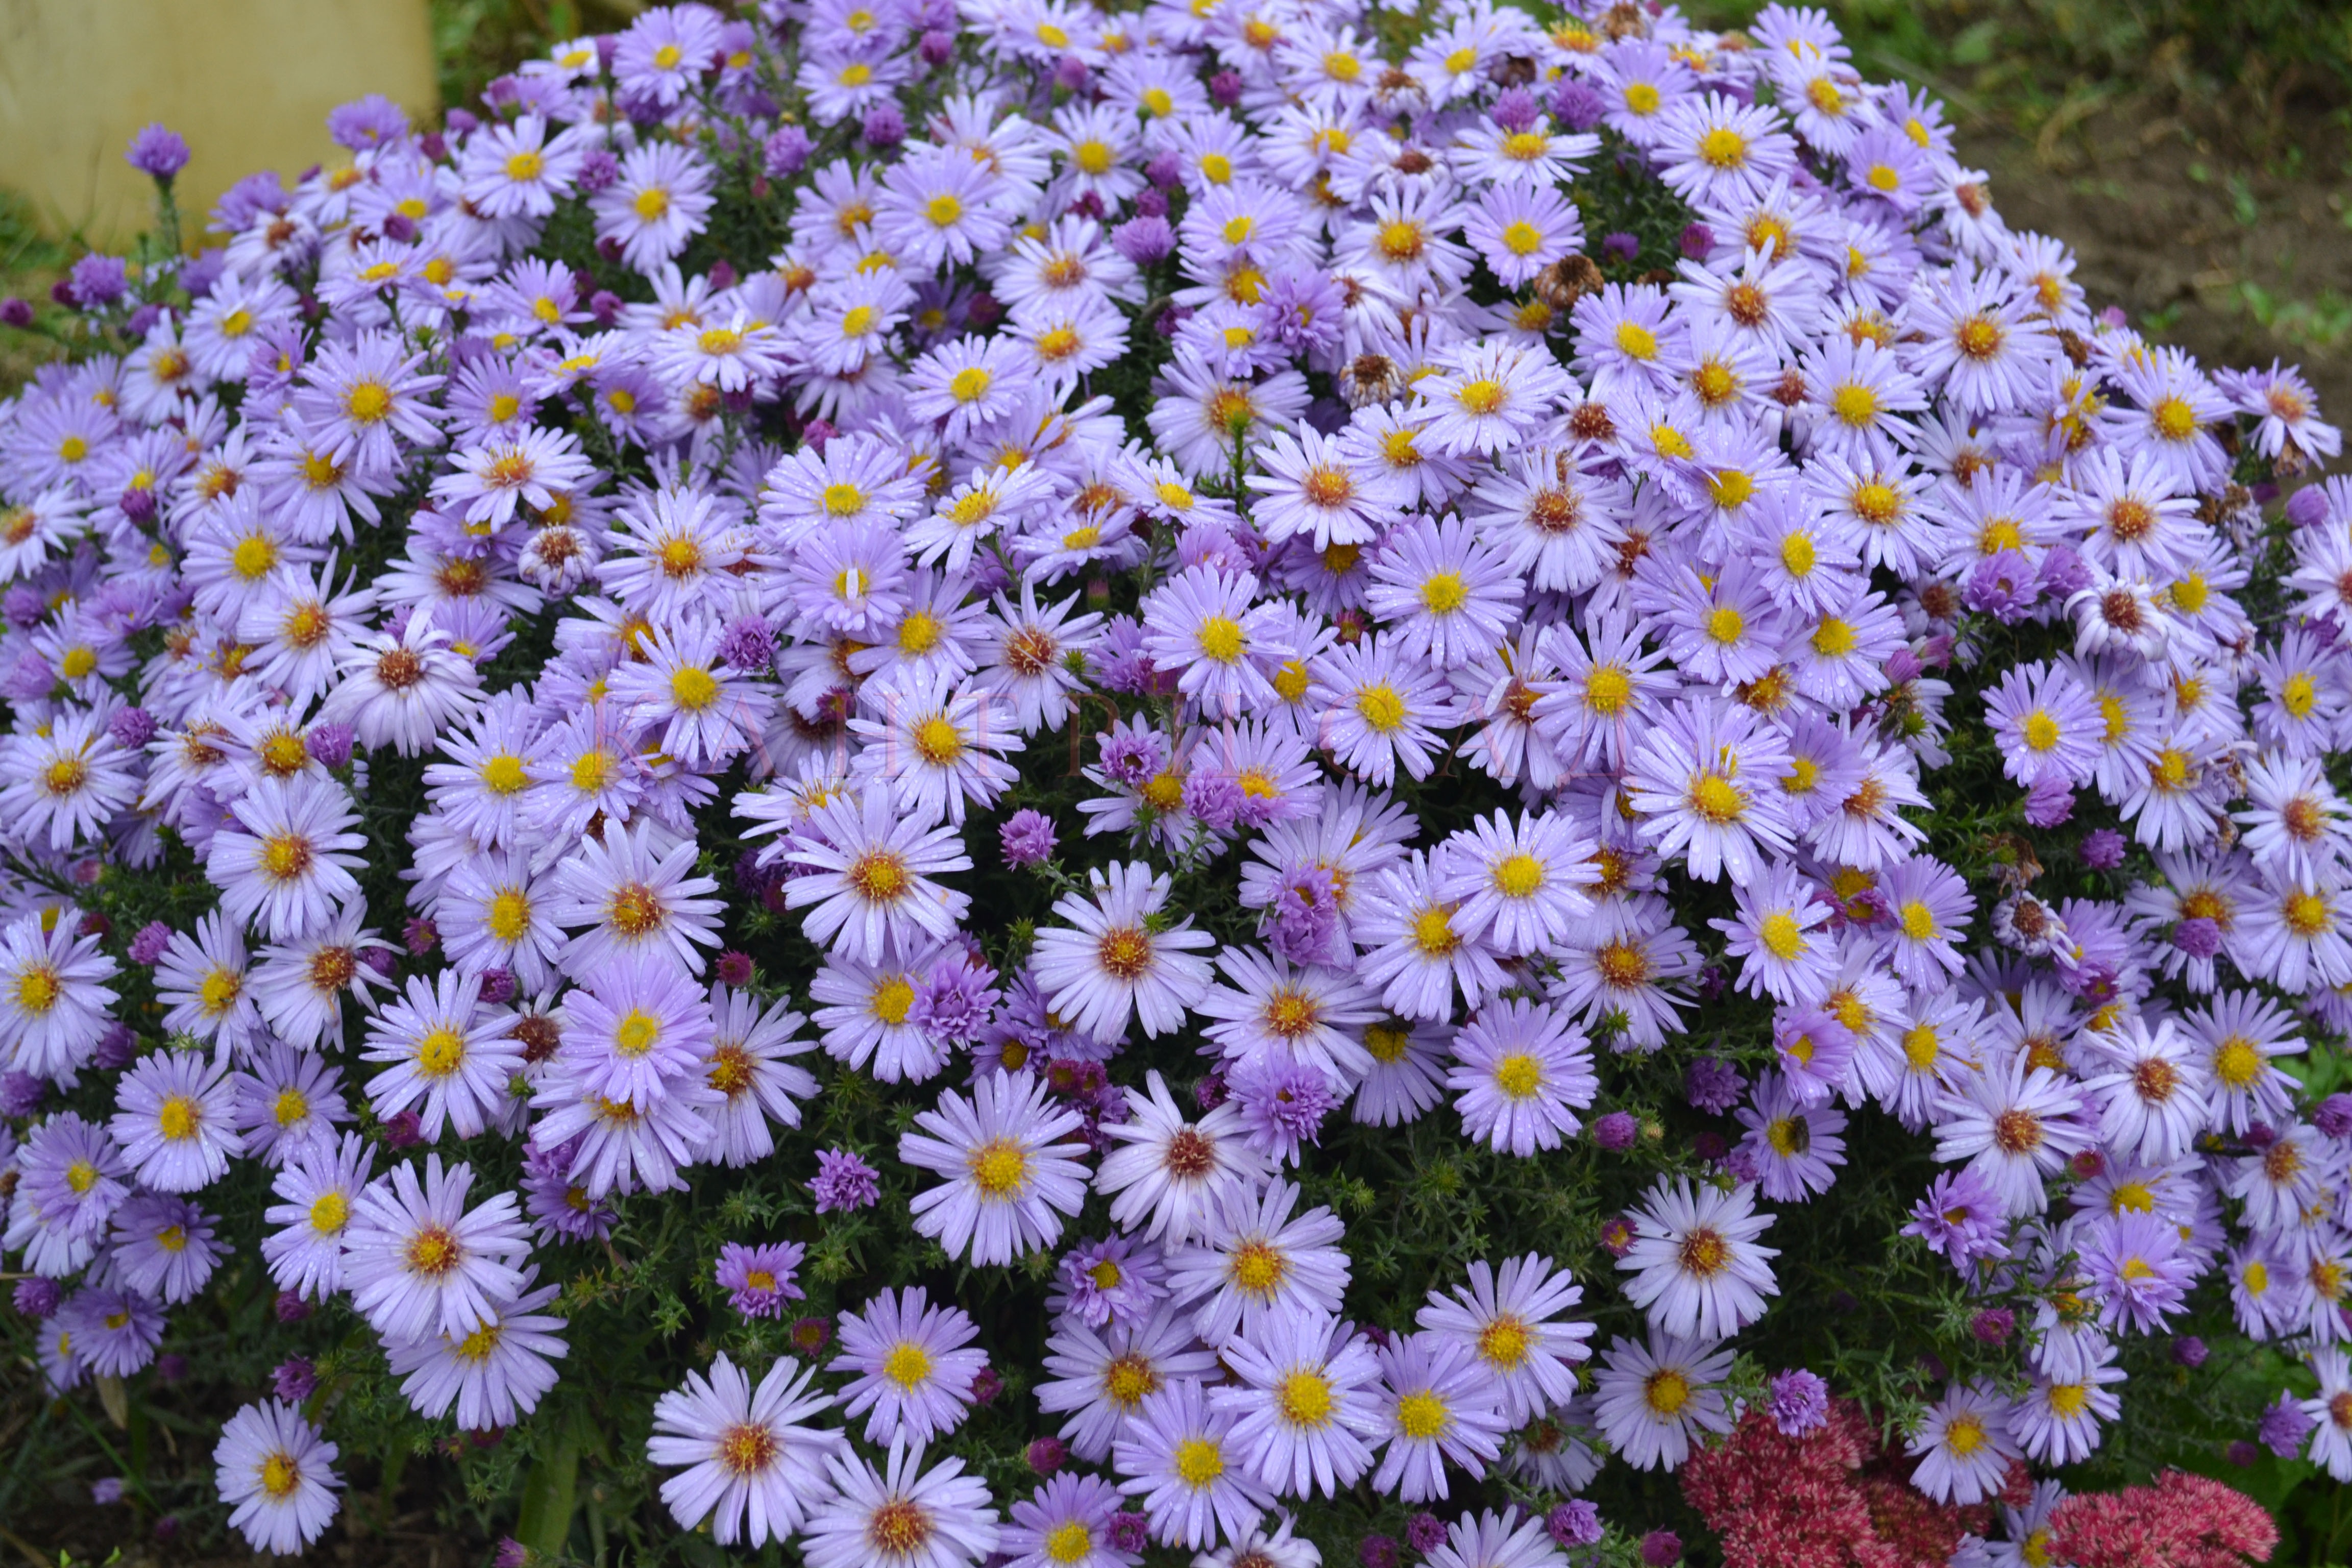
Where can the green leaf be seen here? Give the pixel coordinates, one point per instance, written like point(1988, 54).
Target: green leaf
point(549, 1493)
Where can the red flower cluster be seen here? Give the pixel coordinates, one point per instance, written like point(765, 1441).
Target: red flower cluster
point(2182, 1522)
point(1833, 1499)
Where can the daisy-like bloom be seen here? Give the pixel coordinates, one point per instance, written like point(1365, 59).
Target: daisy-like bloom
point(2152, 1096)
point(1491, 1540)
point(750, 1066)
point(176, 1119)
point(451, 1058)
point(1522, 1072)
point(1704, 781)
point(1209, 625)
point(402, 691)
point(1438, 1403)
point(2238, 1035)
point(1447, 595)
point(658, 205)
point(1008, 1178)
point(2295, 822)
point(516, 169)
point(1107, 964)
point(1518, 887)
point(1070, 1521)
point(2057, 1421)
point(871, 878)
point(1964, 1446)
point(320, 1186)
point(419, 1262)
point(164, 1247)
point(1378, 707)
point(1931, 906)
point(936, 743)
point(67, 784)
point(1173, 1177)
point(754, 1463)
point(2014, 1123)
point(1491, 395)
point(1698, 1270)
point(533, 468)
point(900, 1515)
point(1520, 230)
point(1652, 1401)
point(634, 892)
point(70, 1180)
point(53, 996)
point(1797, 1145)
point(1317, 488)
point(1304, 1402)
point(277, 1474)
point(1783, 952)
point(759, 1279)
point(495, 1376)
point(1414, 951)
point(1181, 1456)
point(1255, 1259)
point(2047, 723)
point(636, 1031)
point(1510, 1322)
point(914, 1366)
point(2330, 1412)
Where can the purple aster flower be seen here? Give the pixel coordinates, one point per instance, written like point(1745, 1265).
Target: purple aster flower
point(294, 1380)
point(955, 1002)
point(845, 1182)
point(329, 745)
point(1216, 798)
point(1144, 240)
point(2284, 1428)
point(106, 1491)
point(38, 1297)
point(1129, 1531)
point(98, 281)
point(759, 1279)
point(2199, 937)
point(2049, 802)
point(1800, 1403)
point(2001, 586)
point(556, 1204)
point(1712, 1085)
point(132, 728)
point(1028, 839)
point(20, 1093)
point(885, 127)
point(1959, 1218)
point(1300, 923)
point(1577, 104)
point(1576, 1523)
point(2334, 1117)
point(1424, 1532)
point(750, 644)
point(2063, 575)
point(1283, 1104)
point(157, 150)
point(2103, 849)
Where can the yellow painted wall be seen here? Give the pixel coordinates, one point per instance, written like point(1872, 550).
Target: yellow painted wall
point(247, 82)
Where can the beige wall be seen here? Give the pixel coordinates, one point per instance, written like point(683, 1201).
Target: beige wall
point(247, 82)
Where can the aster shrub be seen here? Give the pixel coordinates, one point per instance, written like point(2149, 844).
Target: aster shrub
point(1240, 783)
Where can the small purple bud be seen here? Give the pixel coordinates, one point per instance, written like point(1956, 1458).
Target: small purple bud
point(1993, 1325)
point(2243, 1455)
point(20, 1093)
point(512, 1554)
point(115, 1047)
point(785, 150)
point(290, 1307)
point(1165, 172)
point(1696, 240)
point(2308, 508)
point(400, 228)
point(149, 944)
point(38, 1299)
point(2049, 802)
point(106, 1491)
point(1028, 839)
point(157, 151)
point(329, 745)
point(16, 313)
point(1515, 109)
point(132, 727)
point(401, 1130)
point(885, 127)
point(1574, 1524)
point(171, 1368)
point(1424, 1532)
point(1150, 204)
point(1225, 88)
point(938, 47)
point(1662, 1549)
point(1378, 1552)
point(498, 986)
point(1624, 247)
point(1144, 241)
point(1577, 104)
point(2334, 1117)
point(294, 1380)
point(2103, 849)
point(1046, 1455)
point(1616, 1131)
point(2189, 1351)
point(2198, 936)
point(1070, 73)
